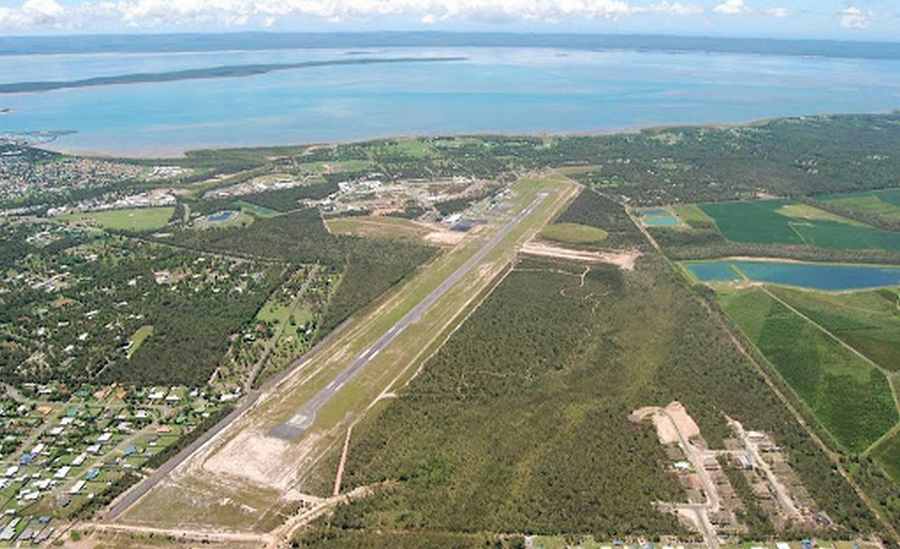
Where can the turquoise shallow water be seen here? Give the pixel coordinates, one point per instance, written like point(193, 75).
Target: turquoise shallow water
point(509, 90)
point(818, 276)
point(658, 217)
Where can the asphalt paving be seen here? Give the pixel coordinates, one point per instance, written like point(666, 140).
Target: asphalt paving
point(306, 415)
point(304, 418)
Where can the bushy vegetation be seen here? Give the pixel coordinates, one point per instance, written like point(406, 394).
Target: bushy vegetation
point(594, 210)
point(785, 157)
point(285, 200)
point(349, 538)
point(519, 423)
point(754, 517)
point(572, 233)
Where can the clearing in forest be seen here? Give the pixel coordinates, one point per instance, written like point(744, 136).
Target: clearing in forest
point(132, 220)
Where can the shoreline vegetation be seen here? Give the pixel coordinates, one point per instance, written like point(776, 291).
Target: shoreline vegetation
point(227, 71)
point(182, 153)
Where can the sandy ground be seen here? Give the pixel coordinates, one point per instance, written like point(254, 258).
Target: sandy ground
point(669, 421)
point(258, 458)
point(445, 238)
point(625, 260)
point(114, 536)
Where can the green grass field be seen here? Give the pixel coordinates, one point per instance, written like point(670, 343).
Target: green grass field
point(867, 321)
point(811, 213)
point(378, 227)
point(694, 216)
point(887, 454)
point(258, 211)
point(884, 204)
point(133, 220)
point(789, 223)
point(851, 398)
point(752, 222)
point(281, 313)
point(573, 233)
point(138, 338)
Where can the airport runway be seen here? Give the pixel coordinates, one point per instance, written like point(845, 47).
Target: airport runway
point(303, 419)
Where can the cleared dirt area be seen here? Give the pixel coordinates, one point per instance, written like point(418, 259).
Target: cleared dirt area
point(395, 228)
point(669, 422)
point(625, 260)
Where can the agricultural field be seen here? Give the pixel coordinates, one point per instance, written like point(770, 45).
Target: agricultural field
point(881, 206)
point(867, 321)
point(785, 222)
point(851, 397)
point(887, 454)
point(693, 216)
point(137, 220)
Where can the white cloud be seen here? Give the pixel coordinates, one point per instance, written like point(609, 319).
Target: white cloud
point(159, 13)
point(739, 7)
point(852, 17)
point(777, 12)
point(732, 7)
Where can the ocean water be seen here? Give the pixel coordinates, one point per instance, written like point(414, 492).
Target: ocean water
point(504, 90)
point(817, 276)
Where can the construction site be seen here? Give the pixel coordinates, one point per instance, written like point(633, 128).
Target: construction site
point(713, 506)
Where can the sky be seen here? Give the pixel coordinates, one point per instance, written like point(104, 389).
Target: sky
point(877, 20)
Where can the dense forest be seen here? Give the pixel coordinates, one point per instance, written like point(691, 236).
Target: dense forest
point(500, 431)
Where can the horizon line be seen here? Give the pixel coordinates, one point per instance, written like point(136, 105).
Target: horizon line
point(266, 32)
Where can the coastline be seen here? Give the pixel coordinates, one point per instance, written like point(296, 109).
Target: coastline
point(178, 152)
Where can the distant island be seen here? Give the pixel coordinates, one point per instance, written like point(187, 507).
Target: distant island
point(5, 110)
point(230, 71)
point(356, 41)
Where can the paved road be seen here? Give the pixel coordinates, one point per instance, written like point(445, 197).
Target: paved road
point(303, 419)
point(289, 430)
point(135, 493)
point(248, 401)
